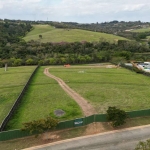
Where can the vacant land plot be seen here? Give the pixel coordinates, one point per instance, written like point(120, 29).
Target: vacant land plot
point(104, 87)
point(42, 98)
point(11, 84)
point(51, 34)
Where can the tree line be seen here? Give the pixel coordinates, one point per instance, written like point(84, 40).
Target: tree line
point(15, 51)
point(33, 52)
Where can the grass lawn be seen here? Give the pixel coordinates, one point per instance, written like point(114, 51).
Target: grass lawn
point(51, 34)
point(27, 142)
point(141, 30)
point(42, 98)
point(11, 84)
point(104, 87)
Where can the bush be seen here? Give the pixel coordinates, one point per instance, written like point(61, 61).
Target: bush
point(143, 145)
point(116, 116)
point(40, 125)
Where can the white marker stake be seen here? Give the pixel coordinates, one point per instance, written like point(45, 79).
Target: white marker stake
point(5, 67)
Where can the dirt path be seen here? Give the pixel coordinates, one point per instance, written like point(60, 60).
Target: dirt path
point(85, 106)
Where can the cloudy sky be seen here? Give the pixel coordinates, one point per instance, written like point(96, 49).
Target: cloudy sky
point(82, 11)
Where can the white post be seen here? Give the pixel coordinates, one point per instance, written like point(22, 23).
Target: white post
point(5, 67)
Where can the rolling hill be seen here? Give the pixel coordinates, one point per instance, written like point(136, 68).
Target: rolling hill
point(52, 34)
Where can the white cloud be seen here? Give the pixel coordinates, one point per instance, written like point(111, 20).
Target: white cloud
point(74, 10)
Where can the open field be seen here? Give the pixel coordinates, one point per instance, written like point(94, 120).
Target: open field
point(104, 87)
point(90, 129)
point(51, 34)
point(141, 30)
point(42, 98)
point(11, 84)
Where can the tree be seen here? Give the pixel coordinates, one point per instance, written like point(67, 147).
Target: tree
point(30, 61)
point(40, 36)
point(143, 145)
point(17, 62)
point(116, 116)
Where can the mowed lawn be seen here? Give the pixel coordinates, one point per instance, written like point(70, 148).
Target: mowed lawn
point(11, 84)
point(104, 87)
point(51, 34)
point(42, 98)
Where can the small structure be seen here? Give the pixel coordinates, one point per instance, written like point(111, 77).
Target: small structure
point(68, 65)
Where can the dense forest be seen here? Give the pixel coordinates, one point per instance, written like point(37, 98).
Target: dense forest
point(15, 51)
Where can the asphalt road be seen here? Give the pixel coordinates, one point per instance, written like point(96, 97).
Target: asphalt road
point(126, 139)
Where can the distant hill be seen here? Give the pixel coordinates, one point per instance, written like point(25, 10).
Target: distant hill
point(52, 34)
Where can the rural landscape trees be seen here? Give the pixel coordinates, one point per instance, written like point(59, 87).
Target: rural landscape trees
point(15, 51)
point(110, 84)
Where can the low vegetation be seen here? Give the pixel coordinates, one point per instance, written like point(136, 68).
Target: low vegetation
point(51, 34)
point(141, 30)
point(42, 98)
point(12, 82)
point(143, 145)
point(40, 126)
point(106, 86)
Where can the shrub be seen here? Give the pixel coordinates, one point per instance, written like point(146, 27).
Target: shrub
point(40, 125)
point(116, 116)
point(143, 145)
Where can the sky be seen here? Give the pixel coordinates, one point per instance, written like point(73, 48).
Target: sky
point(81, 11)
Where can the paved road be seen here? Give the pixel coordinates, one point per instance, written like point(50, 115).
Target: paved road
point(115, 140)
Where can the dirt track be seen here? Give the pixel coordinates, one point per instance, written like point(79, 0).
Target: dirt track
point(85, 106)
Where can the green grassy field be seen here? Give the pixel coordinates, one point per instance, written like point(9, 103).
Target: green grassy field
point(141, 30)
point(11, 84)
point(51, 34)
point(42, 98)
point(104, 87)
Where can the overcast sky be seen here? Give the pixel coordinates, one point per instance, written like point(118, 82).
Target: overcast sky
point(81, 11)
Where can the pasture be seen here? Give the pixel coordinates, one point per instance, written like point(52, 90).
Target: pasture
point(11, 84)
point(104, 87)
point(51, 34)
point(141, 30)
point(42, 98)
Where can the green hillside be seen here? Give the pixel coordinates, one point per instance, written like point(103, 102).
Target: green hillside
point(141, 30)
point(52, 34)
